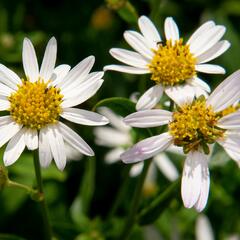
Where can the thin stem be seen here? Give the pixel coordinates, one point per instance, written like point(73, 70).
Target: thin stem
point(121, 192)
point(45, 214)
point(131, 220)
point(22, 186)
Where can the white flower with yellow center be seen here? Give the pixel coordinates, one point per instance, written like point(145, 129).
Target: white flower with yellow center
point(36, 103)
point(173, 64)
point(118, 137)
point(195, 126)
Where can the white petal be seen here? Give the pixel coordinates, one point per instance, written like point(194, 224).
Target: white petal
point(72, 153)
point(8, 77)
point(230, 121)
point(87, 91)
point(191, 178)
point(166, 166)
point(75, 140)
point(181, 94)
point(207, 40)
point(138, 43)
point(31, 139)
point(44, 151)
point(171, 29)
point(110, 137)
point(5, 90)
point(149, 31)
point(204, 28)
point(29, 59)
point(210, 68)
point(4, 103)
point(55, 140)
point(204, 229)
point(84, 117)
point(205, 183)
point(114, 119)
point(150, 98)
point(176, 150)
point(218, 49)
point(197, 82)
point(231, 144)
point(72, 92)
point(136, 169)
point(59, 73)
point(49, 60)
point(78, 74)
point(8, 131)
point(14, 148)
point(148, 118)
point(5, 120)
point(147, 148)
point(126, 69)
point(200, 92)
point(226, 94)
point(113, 155)
point(129, 57)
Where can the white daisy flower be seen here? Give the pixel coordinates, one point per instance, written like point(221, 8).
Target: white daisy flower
point(118, 137)
point(36, 103)
point(194, 126)
point(173, 64)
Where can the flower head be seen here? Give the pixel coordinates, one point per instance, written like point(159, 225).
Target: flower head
point(173, 64)
point(37, 102)
point(195, 125)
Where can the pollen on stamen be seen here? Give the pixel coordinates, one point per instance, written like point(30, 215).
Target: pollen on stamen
point(172, 63)
point(194, 125)
point(35, 105)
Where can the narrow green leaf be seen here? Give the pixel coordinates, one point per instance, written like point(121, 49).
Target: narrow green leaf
point(121, 106)
point(88, 183)
point(128, 13)
point(10, 237)
point(159, 204)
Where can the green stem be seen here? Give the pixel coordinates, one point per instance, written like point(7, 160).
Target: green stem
point(22, 186)
point(121, 192)
point(131, 220)
point(45, 214)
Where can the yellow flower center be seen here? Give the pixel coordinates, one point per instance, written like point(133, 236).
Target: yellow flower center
point(229, 110)
point(172, 64)
point(194, 125)
point(35, 105)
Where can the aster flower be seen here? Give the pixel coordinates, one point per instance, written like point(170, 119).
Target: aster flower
point(173, 64)
point(36, 103)
point(195, 125)
point(118, 137)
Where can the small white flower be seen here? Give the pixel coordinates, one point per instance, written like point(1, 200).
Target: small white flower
point(36, 103)
point(118, 137)
point(194, 126)
point(172, 64)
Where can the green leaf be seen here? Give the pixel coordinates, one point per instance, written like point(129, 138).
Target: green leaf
point(121, 106)
point(88, 183)
point(159, 204)
point(80, 206)
point(128, 13)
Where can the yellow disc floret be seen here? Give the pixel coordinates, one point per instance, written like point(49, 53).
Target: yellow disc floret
point(35, 105)
point(194, 125)
point(172, 63)
point(229, 110)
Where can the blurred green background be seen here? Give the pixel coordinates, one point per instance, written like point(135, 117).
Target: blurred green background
point(80, 198)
